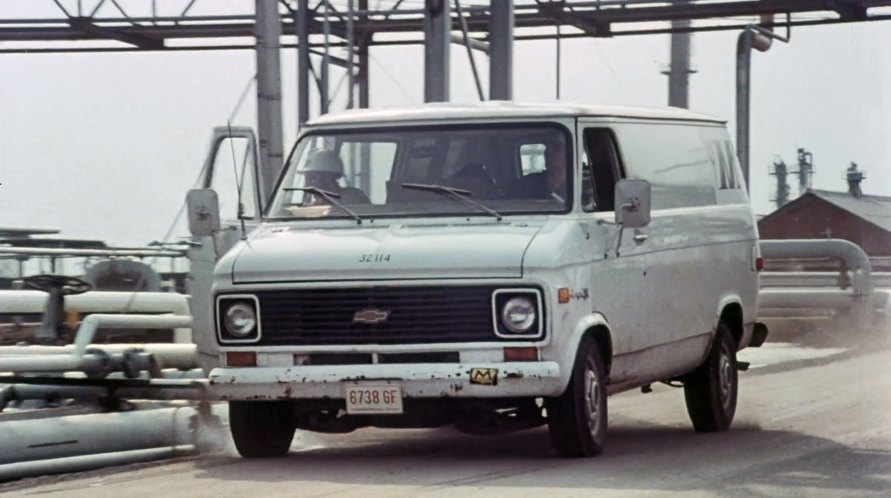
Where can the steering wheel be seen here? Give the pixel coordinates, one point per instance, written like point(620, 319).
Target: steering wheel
point(68, 285)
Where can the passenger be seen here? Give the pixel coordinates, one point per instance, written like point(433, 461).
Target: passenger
point(323, 170)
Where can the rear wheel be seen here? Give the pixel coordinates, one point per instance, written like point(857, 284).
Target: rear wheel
point(262, 429)
point(577, 420)
point(711, 390)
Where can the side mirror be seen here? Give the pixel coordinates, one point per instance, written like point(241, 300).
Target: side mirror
point(204, 212)
point(633, 203)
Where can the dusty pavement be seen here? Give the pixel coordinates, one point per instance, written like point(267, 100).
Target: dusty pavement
point(819, 430)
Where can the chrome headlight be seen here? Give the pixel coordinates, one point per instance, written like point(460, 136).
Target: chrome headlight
point(519, 314)
point(238, 319)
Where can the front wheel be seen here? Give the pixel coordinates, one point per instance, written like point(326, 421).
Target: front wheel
point(710, 391)
point(577, 419)
point(262, 429)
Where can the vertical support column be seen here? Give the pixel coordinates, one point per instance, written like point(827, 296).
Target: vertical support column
point(501, 49)
point(760, 39)
point(679, 71)
point(351, 56)
point(269, 93)
point(437, 27)
point(364, 102)
point(324, 71)
point(362, 52)
point(301, 26)
point(743, 79)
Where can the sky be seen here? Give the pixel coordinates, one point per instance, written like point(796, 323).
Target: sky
point(105, 146)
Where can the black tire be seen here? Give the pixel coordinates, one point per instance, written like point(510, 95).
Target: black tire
point(262, 429)
point(577, 420)
point(711, 390)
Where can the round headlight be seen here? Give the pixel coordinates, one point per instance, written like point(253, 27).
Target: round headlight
point(240, 319)
point(518, 314)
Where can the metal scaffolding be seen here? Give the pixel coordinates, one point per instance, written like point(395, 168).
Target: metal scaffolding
point(338, 35)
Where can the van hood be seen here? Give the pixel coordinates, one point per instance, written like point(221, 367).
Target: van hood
point(393, 252)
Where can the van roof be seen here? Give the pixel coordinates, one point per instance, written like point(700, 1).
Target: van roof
point(505, 110)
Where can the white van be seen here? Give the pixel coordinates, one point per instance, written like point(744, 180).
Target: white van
point(496, 267)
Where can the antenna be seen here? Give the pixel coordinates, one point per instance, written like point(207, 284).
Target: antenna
point(239, 182)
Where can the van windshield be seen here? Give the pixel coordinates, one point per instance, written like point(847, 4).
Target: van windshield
point(505, 169)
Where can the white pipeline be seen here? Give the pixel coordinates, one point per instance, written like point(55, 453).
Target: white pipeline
point(77, 435)
point(78, 359)
point(89, 462)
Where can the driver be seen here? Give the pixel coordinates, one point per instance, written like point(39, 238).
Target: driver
point(555, 164)
point(323, 170)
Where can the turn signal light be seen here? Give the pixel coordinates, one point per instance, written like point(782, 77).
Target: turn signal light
point(562, 295)
point(241, 359)
point(520, 354)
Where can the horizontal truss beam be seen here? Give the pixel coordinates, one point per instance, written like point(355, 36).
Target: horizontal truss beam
point(405, 26)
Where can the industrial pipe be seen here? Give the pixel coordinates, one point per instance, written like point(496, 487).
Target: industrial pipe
point(760, 39)
point(79, 359)
point(32, 301)
point(25, 392)
point(36, 439)
point(804, 298)
point(89, 462)
point(856, 260)
point(178, 356)
point(817, 279)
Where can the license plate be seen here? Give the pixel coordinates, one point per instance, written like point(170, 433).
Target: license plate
point(373, 398)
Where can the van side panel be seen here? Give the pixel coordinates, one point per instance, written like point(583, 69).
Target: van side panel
point(696, 252)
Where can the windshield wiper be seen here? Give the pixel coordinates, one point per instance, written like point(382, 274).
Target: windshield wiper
point(331, 197)
point(454, 193)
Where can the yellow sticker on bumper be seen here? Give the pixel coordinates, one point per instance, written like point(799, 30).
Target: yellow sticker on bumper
point(484, 376)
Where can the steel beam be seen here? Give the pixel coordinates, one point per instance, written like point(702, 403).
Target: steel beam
point(501, 50)
point(301, 29)
point(362, 52)
point(269, 93)
point(437, 26)
point(679, 68)
point(593, 18)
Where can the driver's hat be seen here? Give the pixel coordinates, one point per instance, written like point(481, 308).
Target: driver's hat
point(324, 160)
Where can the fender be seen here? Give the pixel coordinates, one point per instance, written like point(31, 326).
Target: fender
point(725, 301)
point(569, 345)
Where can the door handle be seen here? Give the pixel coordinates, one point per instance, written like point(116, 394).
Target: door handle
point(640, 238)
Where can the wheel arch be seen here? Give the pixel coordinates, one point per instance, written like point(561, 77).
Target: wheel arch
point(597, 328)
point(731, 313)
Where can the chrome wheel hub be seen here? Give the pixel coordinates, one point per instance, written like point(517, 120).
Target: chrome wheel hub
point(592, 399)
point(725, 378)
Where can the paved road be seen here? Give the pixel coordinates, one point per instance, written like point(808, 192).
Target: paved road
point(821, 430)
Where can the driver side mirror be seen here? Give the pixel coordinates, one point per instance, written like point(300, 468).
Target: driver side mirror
point(633, 203)
point(204, 212)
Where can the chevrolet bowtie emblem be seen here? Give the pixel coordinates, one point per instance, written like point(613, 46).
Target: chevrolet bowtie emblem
point(371, 317)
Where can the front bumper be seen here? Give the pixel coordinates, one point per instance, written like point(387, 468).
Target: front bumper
point(421, 380)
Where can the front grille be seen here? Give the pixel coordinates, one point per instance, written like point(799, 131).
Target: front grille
point(416, 315)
